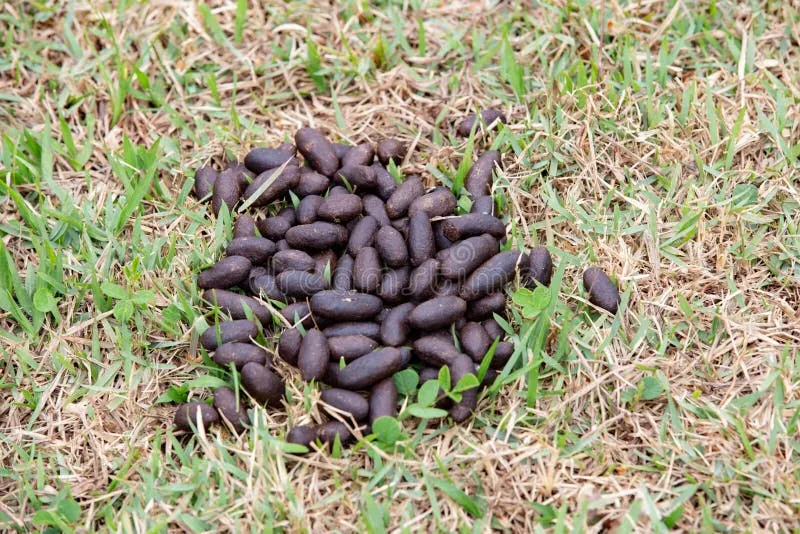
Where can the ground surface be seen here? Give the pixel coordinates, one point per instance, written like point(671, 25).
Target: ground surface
point(658, 140)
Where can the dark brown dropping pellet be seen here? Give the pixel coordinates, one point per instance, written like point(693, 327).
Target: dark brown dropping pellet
point(370, 368)
point(401, 225)
point(441, 241)
point(488, 117)
point(327, 432)
point(472, 224)
point(488, 378)
point(346, 401)
point(240, 354)
point(298, 313)
point(289, 345)
point(437, 313)
point(300, 283)
point(391, 246)
point(382, 315)
point(502, 353)
point(307, 209)
point(485, 307)
point(341, 150)
point(229, 409)
point(189, 416)
point(448, 288)
point(428, 373)
point(325, 259)
point(398, 204)
point(540, 266)
point(279, 184)
point(228, 332)
point(317, 150)
point(255, 249)
point(292, 260)
point(245, 226)
point(367, 270)
point(281, 244)
point(236, 304)
point(289, 214)
point(435, 350)
point(360, 177)
point(351, 224)
point(204, 180)
point(602, 291)
point(493, 328)
point(422, 283)
point(363, 235)
point(350, 347)
point(337, 190)
point(243, 175)
point(491, 276)
point(264, 286)
point(345, 305)
point(478, 182)
point(302, 435)
point(391, 150)
point(464, 257)
point(393, 285)
point(316, 236)
point(226, 273)
point(365, 328)
point(261, 159)
point(386, 184)
point(469, 399)
point(382, 400)
point(311, 183)
point(273, 228)
point(262, 384)
point(343, 275)
point(341, 208)
point(312, 360)
point(484, 205)
point(438, 203)
point(395, 327)
point(421, 245)
point(374, 207)
point(258, 270)
point(475, 341)
point(227, 190)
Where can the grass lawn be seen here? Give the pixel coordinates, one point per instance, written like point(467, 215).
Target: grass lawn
point(657, 140)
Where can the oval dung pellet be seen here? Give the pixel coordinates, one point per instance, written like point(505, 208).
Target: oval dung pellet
point(472, 224)
point(226, 273)
point(204, 180)
point(264, 286)
point(228, 332)
point(422, 283)
point(448, 288)
point(345, 305)
point(393, 285)
point(437, 203)
point(289, 345)
point(363, 235)
point(484, 307)
point(302, 435)
point(298, 313)
point(317, 150)
point(391, 246)
point(300, 283)
point(464, 257)
point(488, 117)
point(346, 401)
point(602, 291)
point(279, 184)
point(421, 244)
point(316, 236)
point(395, 327)
point(469, 399)
point(362, 154)
point(292, 260)
point(502, 353)
point(436, 313)
point(383, 400)
point(341, 208)
point(375, 208)
point(227, 190)
point(311, 183)
point(493, 328)
point(343, 275)
point(479, 178)
point(337, 190)
point(367, 270)
point(398, 204)
point(539, 266)
point(237, 305)
point(189, 416)
point(325, 260)
point(245, 226)
point(350, 347)
point(312, 360)
point(255, 249)
point(229, 409)
point(240, 354)
point(401, 225)
point(262, 384)
point(483, 205)
point(327, 432)
point(273, 228)
point(261, 159)
point(243, 175)
point(360, 177)
point(428, 373)
point(370, 368)
point(491, 276)
point(363, 328)
point(441, 241)
point(386, 184)
point(281, 244)
point(475, 341)
point(435, 350)
point(341, 150)
point(289, 214)
point(307, 209)
point(391, 149)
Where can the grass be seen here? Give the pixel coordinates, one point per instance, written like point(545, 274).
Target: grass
point(659, 141)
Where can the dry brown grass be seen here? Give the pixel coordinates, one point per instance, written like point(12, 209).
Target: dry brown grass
point(712, 302)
